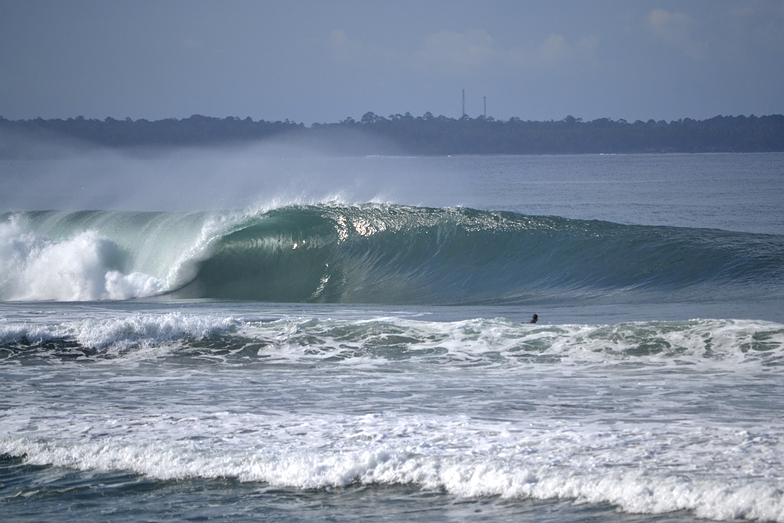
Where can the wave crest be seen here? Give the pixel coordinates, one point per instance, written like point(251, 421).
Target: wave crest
point(372, 254)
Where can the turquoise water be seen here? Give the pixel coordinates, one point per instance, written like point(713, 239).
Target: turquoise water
point(326, 358)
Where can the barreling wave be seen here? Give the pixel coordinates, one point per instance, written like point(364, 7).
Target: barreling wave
point(372, 254)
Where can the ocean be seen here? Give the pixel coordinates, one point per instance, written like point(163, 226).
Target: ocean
point(257, 335)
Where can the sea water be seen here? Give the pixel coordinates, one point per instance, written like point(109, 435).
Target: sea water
point(360, 350)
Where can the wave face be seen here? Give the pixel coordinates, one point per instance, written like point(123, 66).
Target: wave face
point(373, 254)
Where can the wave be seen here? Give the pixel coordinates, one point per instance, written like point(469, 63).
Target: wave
point(477, 342)
point(372, 254)
point(466, 475)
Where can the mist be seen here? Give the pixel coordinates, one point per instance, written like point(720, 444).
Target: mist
point(280, 171)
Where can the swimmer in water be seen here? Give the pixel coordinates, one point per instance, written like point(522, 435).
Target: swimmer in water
point(534, 319)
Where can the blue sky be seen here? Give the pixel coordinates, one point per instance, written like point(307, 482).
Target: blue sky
point(323, 61)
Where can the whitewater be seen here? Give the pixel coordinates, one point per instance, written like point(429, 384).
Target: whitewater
point(350, 339)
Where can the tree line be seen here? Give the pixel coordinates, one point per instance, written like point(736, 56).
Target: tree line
point(422, 135)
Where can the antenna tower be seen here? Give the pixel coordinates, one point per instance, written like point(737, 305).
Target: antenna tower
point(463, 103)
point(485, 97)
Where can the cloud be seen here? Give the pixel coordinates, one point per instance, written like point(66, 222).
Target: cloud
point(475, 51)
point(343, 49)
point(675, 30)
point(554, 49)
point(762, 24)
point(450, 51)
point(351, 52)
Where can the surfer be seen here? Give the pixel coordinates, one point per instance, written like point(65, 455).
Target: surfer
point(534, 319)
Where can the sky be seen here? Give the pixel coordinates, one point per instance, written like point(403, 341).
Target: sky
point(324, 61)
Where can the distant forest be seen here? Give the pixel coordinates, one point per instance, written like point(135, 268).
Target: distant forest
point(406, 134)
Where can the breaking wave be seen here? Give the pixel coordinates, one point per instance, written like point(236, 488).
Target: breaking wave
point(371, 254)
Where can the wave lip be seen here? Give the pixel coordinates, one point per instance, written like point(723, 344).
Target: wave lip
point(97, 255)
point(84, 267)
point(375, 253)
point(409, 255)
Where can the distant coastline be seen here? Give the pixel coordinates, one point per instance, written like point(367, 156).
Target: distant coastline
point(405, 134)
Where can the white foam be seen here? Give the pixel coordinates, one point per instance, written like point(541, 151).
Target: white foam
point(704, 344)
point(105, 256)
point(119, 334)
point(84, 267)
point(463, 412)
point(631, 469)
point(147, 330)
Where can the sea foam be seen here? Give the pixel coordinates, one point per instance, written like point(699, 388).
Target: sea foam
point(87, 266)
point(635, 470)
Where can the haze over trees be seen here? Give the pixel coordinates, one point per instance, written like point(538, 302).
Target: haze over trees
point(422, 135)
